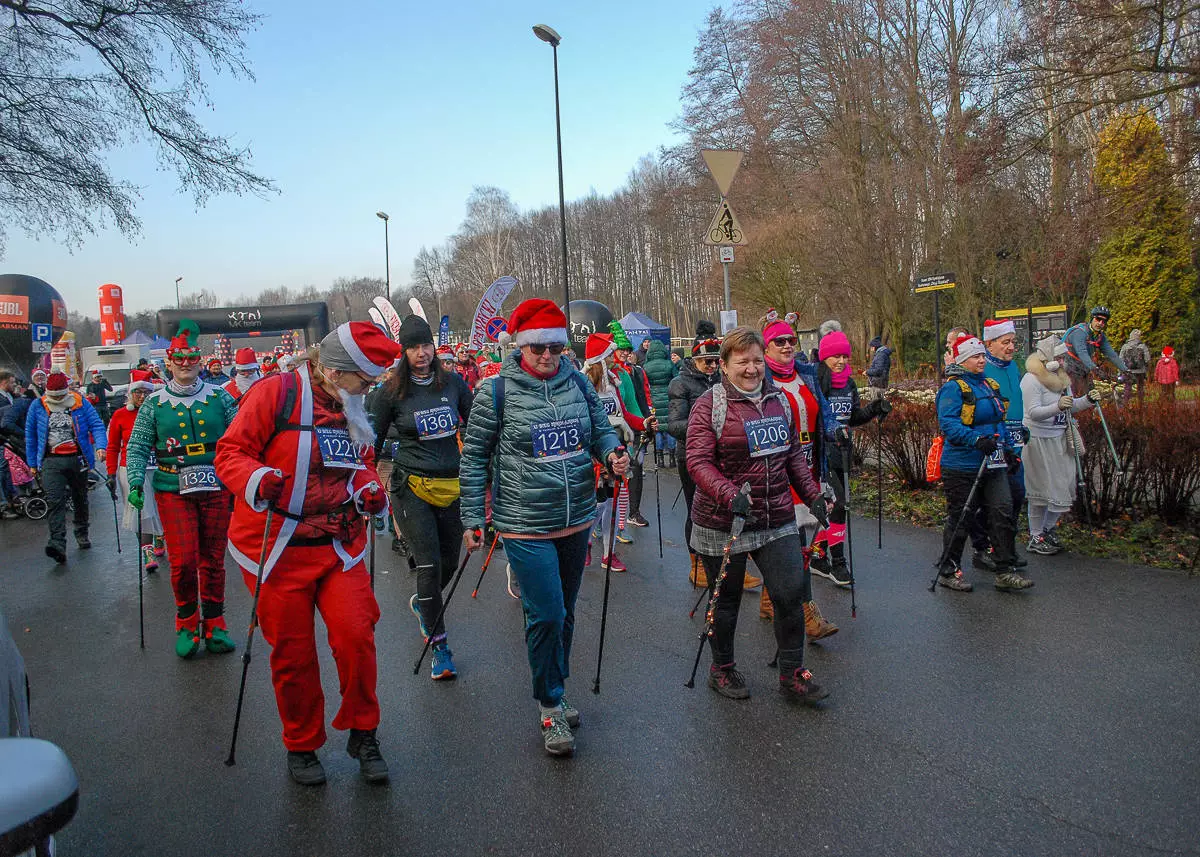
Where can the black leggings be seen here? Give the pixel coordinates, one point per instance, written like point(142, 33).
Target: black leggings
point(689, 491)
point(789, 585)
point(434, 537)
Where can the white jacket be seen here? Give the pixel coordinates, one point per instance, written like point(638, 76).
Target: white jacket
point(1040, 390)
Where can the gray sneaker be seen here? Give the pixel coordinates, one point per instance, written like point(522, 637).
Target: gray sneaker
point(1040, 545)
point(1010, 581)
point(570, 712)
point(951, 577)
point(556, 734)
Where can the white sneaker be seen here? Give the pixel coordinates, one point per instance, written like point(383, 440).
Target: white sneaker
point(514, 588)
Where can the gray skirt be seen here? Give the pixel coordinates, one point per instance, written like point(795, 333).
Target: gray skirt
point(1050, 472)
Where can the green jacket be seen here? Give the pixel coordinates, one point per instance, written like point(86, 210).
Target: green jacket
point(531, 495)
point(659, 370)
point(180, 431)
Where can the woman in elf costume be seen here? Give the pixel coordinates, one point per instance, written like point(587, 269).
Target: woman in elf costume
point(180, 425)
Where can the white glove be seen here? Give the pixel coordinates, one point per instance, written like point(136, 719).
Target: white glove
point(1065, 403)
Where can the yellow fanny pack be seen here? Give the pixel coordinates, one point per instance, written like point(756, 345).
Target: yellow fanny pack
point(434, 491)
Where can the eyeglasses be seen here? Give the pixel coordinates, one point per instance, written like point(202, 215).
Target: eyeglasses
point(555, 349)
point(185, 361)
point(783, 341)
point(710, 361)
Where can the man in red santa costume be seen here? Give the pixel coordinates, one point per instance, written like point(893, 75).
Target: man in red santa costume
point(302, 445)
point(246, 372)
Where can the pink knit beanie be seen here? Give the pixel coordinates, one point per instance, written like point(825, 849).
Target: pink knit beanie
point(834, 344)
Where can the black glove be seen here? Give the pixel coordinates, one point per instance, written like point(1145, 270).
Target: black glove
point(986, 444)
point(820, 511)
point(1025, 435)
point(882, 407)
point(111, 483)
point(1012, 460)
point(741, 505)
point(842, 436)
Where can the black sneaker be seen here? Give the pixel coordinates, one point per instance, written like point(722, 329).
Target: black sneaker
point(638, 521)
point(1041, 545)
point(364, 746)
point(1051, 536)
point(800, 687)
point(728, 682)
point(56, 553)
point(982, 559)
point(821, 565)
point(305, 768)
point(84, 542)
point(839, 573)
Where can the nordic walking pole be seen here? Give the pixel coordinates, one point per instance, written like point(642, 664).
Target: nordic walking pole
point(739, 524)
point(1108, 435)
point(445, 603)
point(961, 518)
point(486, 562)
point(612, 544)
point(677, 496)
point(658, 509)
point(262, 562)
point(371, 536)
point(141, 604)
point(112, 492)
point(1080, 484)
point(848, 455)
point(696, 606)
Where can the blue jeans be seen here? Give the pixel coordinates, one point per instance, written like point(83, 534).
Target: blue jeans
point(549, 571)
point(664, 440)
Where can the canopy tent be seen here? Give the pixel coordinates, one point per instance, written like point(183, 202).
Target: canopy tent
point(639, 327)
point(139, 337)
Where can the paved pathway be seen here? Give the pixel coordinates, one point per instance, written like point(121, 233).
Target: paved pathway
point(1063, 721)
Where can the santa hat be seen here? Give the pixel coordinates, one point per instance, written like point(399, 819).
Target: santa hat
point(245, 359)
point(359, 346)
point(536, 321)
point(777, 328)
point(995, 328)
point(491, 370)
point(445, 352)
point(56, 385)
point(966, 347)
point(1168, 351)
point(599, 347)
point(834, 344)
point(37, 372)
point(140, 379)
point(216, 361)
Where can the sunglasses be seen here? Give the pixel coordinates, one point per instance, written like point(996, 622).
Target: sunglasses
point(555, 349)
point(185, 361)
point(782, 341)
point(710, 361)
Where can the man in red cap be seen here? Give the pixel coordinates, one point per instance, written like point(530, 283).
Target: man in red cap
point(302, 447)
point(64, 438)
point(216, 373)
point(246, 372)
point(178, 427)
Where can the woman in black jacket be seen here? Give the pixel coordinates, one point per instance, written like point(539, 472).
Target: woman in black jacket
point(425, 406)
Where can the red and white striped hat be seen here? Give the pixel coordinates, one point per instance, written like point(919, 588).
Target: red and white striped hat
point(995, 328)
point(245, 359)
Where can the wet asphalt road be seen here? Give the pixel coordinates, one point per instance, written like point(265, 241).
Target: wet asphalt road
point(1058, 722)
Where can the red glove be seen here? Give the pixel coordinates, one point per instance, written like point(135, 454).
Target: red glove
point(271, 487)
point(374, 501)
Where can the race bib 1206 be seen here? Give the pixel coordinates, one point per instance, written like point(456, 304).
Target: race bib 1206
point(557, 439)
point(435, 423)
point(337, 450)
point(767, 436)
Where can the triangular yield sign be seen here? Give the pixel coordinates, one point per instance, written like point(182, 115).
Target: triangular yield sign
point(724, 228)
point(723, 164)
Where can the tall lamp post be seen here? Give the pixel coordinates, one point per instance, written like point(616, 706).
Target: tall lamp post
point(178, 305)
point(382, 215)
point(548, 34)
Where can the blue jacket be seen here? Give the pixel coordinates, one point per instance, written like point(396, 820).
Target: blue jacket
point(532, 496)
point(1006, 374)
point(14, 418)
point(1082, 345)
point(959, 452)
point(881, 367)
point(89, 431)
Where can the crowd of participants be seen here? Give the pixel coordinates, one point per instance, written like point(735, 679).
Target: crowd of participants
point(290, 463)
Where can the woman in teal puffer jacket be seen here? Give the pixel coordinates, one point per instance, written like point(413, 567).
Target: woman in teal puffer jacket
point(659, 371)
point(533, 433)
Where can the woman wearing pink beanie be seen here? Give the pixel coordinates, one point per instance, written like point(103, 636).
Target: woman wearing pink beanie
point(838, 387)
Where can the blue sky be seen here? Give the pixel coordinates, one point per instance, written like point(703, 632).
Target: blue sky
point(399, 106)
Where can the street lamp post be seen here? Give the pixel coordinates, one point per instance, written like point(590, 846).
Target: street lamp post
point(382, 215)
point(548, 34)
point(178, 305)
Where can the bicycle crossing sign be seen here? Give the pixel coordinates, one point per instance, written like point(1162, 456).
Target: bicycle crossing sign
point(724, 228)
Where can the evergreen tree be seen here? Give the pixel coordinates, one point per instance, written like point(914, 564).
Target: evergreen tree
point(1142, 270)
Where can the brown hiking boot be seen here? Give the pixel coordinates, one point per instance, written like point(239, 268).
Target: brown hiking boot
point(815, 625)
point(698, 578)
point(766, 610)
point(751, 582)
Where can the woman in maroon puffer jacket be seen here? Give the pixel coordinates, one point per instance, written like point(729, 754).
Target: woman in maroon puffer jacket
point(754, 443)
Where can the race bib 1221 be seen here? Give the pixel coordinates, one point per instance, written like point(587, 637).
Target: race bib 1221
point(337, 450)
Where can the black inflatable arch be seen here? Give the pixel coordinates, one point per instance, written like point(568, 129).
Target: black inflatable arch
point(313, 318)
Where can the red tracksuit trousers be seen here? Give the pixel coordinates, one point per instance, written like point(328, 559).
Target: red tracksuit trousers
point(306, 578)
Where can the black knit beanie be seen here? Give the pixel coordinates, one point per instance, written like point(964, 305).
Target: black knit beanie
point(414, 331)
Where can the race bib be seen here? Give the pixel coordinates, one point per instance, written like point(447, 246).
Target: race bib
point(1060, 419)
point(557, 439)
point(767, 436)
point(996, 461)
point(807, 450)
point(436, 423)
point(152, 460)
point(610, 407)
point(1016, 434)
point(337, 450)
point(842, 408)
point(194, 478)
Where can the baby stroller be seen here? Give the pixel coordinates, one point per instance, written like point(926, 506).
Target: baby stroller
point(31, 499)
